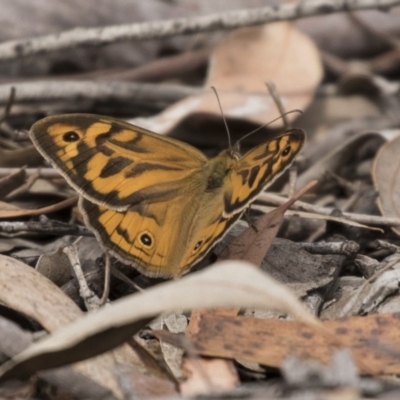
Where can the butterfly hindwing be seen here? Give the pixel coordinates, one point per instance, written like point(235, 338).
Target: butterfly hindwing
point(156, 240)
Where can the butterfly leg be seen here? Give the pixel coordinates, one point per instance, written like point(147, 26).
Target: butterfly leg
point(246, 215)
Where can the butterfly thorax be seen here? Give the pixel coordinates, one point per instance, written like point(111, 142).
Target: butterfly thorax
point(218, 169)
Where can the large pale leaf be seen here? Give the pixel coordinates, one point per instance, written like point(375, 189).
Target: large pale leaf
point(228, 284)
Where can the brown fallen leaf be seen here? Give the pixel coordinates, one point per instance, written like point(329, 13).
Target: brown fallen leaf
point(226, 284)
point(239, 67)
point(386, 177)
point(208, 376)
point(55, 266)
point(252, 244)
point(373, 340)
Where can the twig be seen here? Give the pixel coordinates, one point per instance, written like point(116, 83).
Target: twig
point(366, 265)
point(160, 29)
point(142, 93)
point(121, 276)
point(10, 102)
point(107, 275)
point(92, 301)
point(49, 173)
point(348, 249)
point(31, 179)
point(166, 67)
point(359, 218)
point(45, 225)
point(273, 91)
point(381, 244)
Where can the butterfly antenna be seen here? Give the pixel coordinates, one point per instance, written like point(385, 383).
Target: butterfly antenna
point(223, 117)
point(269, 123)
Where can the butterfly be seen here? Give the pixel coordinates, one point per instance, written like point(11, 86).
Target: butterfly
point(155, 202)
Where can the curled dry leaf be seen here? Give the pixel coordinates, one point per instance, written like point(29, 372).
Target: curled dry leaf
point(386, 177)
point(30, 293)
point(239, 67)
point(226, 284)
point(35, 296)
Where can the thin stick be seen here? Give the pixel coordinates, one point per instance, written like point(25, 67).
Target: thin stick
point(49, 173)
point(91, 300)
point(268, 123)
point(360, 218)
point(15, 49)
point(107, 275)
point(273, 91)
point(133, 92)
point(9, 104)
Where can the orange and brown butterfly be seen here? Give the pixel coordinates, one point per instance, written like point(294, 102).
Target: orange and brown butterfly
point(155, 202)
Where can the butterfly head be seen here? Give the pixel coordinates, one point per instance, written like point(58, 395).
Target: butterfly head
point(234, 151)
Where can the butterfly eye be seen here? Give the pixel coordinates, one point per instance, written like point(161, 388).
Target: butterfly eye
point(198, 244)
point(71, 136)
point(146, 239)
point(286, 151)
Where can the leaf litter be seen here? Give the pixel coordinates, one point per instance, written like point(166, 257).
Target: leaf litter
point(180, 346)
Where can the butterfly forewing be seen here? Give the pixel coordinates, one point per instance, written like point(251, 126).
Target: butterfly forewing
point(114, 163)
point(258, 169)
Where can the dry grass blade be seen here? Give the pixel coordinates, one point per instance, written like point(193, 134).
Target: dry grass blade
point(18, 212)
point(227, 284)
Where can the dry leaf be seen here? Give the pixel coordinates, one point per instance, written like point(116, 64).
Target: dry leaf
point(254, 242)
point(208, 376)
point(386, 177)
point(373, 340)
point(27, 291)
point(55, 266)
point(239, 68)
point(226, 284)
point(34, 295)
point(337, 158)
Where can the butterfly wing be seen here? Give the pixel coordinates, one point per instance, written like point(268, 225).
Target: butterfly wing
point(155, 202)
point(159, 239)
point(258, 169)
point(113, 163)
